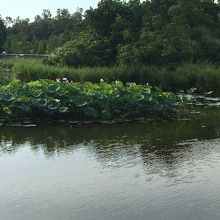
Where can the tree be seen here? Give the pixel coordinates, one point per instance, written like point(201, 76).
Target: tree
point(86, 49)
point(150, 32)
point(3, 34)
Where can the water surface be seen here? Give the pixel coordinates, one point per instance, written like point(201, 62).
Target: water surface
point(165, 170)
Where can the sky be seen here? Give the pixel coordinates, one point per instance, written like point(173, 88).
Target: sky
point(31, 8)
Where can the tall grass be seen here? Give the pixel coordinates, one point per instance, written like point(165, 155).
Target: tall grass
point(6, 74)
point(8, 62)
point(204, 76)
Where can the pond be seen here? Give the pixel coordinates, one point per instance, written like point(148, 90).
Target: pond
point(164, 170)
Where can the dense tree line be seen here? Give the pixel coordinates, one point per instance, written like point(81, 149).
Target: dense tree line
point(118, 32)
point(3, 34)
point(44, 34)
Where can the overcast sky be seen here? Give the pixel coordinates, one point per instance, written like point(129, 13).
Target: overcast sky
point(30, 8)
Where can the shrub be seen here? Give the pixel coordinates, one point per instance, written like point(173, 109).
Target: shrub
point(86, 49)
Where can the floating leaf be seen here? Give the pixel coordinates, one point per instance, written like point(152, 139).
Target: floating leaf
point(42, 102)
point(53, 106)
point(63, 109)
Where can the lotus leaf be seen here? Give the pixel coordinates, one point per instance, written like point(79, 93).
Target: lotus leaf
point(53, 88)
point(80, 101)
point(101, 101)
point(53, 106)
point(7, 110)
point(63, 109)
point(91, 113)
point(42, 102)
point(37, 94)
point(7, 97)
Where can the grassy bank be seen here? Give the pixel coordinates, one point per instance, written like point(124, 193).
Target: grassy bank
point(49, 99)
point(203, 76)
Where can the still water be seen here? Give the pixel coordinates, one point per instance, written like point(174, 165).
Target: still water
point(167, 170)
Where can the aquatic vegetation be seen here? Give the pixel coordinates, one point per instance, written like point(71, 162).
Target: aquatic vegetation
point(6, 76)
point(48, 99)
point(203, 76)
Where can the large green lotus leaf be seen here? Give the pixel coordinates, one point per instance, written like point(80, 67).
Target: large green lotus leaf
point(80, 101)
point(22, 91)
point(61, 92)
point(91, 113)
point(36, 94)
point(134, 87)
point(138, 97)
point(53, 88)
point(7, 110)
point(53, 106)
point(119, 85)
point(63, 109)
point(42, 102)
point(72, 95)
point(147, 91)
point(7, 97)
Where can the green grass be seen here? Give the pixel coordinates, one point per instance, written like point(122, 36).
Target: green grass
point(203, 76)
point(8, 63)
point(6, 74)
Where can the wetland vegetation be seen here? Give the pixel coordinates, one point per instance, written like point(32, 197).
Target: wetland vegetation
point(203, 76)
point(135, 87)
point(86, 101)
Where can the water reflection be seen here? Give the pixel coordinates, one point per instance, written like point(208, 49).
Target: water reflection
point(157, 170)
point(165, 143)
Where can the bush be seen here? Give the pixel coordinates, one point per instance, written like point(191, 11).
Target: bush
point(86, 49)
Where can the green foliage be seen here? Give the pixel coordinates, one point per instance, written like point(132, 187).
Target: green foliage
point(87, 101)
point(85, 50)
point(3, 34)
point(153, 32)
point(134, 32)
point(44, 34)
point(204, 76)
point(6, 74)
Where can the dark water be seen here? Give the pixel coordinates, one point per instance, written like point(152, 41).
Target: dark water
point(156, 171)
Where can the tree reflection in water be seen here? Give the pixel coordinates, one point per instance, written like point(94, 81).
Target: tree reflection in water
point(159, 146)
